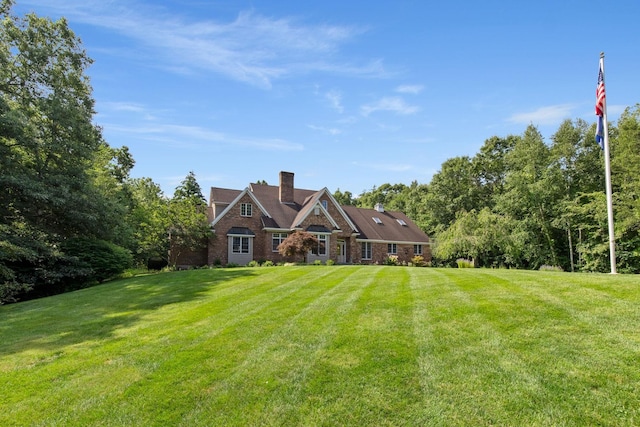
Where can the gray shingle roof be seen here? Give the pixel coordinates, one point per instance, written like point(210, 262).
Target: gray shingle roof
point(389, 230)
point(242, 231)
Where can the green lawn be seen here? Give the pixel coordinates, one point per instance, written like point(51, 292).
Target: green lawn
point(340, 345)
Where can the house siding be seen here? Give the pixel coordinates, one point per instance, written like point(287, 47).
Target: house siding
point(379, 253)
point(339, 220)
point(332, 240)
point(218, 252)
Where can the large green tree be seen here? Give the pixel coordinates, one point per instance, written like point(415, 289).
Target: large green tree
point(189, 226)
point(531, 194)
point(453, 189)
point(149, 218)
point(49, 150)
point(625, 170)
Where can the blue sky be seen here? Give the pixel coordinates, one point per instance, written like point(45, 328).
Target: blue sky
point(345, 94)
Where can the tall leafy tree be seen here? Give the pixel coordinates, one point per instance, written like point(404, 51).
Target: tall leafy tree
point(485, 237)
point(625, 170)
point(490, 168)
point(453, 189)
point(577, 157)
point(189, 227)
point(149, 218)
point(344, 198)
point(48, 147)
point(189, 190)
point(530, 195)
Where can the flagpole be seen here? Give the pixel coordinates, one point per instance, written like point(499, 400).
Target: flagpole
point(607, 169)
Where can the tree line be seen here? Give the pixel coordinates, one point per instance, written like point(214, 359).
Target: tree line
point(522, 202)
point(70, 213)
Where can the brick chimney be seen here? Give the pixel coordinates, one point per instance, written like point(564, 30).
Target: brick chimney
point(286, 187)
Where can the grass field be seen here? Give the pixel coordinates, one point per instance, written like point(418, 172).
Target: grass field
point(339, 345)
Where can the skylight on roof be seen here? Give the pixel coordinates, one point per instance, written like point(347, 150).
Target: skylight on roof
point(376, 220)
point(401, 222)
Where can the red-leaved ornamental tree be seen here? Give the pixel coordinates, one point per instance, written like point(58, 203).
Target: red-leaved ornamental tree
point(298, 243)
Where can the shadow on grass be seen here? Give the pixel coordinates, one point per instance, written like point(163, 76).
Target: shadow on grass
point(95, 313)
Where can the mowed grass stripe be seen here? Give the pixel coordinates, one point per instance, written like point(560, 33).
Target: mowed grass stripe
point(463, 359)
point(340, 345)
point(277, 369)
point(549, 340)
point(145, 341)
point(368, 374)
point(182, 374)
point(141, 328)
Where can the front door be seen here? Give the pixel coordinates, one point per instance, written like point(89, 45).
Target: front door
point(342, 252)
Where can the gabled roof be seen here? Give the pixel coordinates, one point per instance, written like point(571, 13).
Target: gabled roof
point(315, 199)
point(236, 200)
point(311, 203)
point(282, 214)
point(389, 229)
point(223, 195)
point(393, 226)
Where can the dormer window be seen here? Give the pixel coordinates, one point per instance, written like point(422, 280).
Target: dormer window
point(245, 209)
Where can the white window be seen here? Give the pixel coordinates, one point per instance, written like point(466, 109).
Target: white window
point(324, 204)
point(245, 209)
point(240, 245)
point(321, 248)
point(276, 240)
point(417, 249)
point(392, 248)
point(366, 250)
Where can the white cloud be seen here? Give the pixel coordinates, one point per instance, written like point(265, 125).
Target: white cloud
point(197, 137)
point(330, 131)
point(394, 104)
point(550, 115)
point(254, 49)
point(412, 89)
point(335, 98)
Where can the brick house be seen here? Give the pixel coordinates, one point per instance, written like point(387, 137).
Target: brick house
point(249, 225)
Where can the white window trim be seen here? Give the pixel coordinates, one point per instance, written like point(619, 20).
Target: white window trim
point(240, 246)
point(369, 250)
point(281, 237)
point(246, 209)
point(394, 249)
point(326, 239)
point(417, 249)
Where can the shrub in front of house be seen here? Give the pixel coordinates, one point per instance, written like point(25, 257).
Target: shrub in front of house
point(465, 263)
point(391, 260)
point(417, 261)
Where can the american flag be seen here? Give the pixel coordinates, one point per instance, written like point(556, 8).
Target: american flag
point(600, 95)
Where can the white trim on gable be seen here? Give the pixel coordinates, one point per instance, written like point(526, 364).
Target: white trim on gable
point(236, 201)
point(342, 212)
point(316, 201)
point(312, 208)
